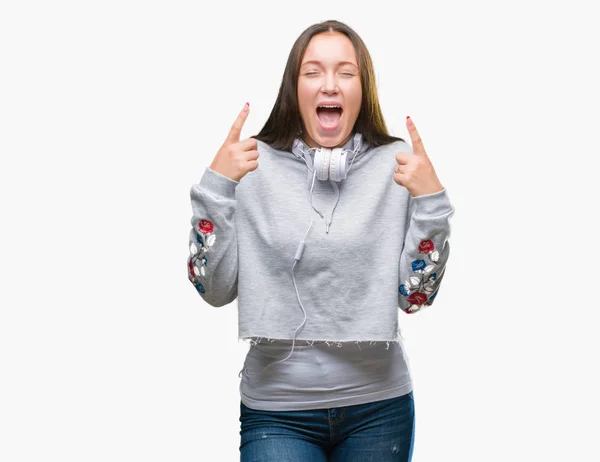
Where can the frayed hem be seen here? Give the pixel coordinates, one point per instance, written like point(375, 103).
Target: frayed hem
point(252, 341)
point(255, 340)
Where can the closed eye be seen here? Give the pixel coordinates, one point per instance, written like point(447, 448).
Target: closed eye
point(343, 73)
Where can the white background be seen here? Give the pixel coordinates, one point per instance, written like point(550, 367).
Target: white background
point(111, 110)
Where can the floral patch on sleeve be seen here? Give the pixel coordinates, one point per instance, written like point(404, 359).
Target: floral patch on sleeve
point(419, 288)
point(198, 260)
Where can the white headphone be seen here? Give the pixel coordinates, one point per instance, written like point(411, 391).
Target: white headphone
point(331, 164)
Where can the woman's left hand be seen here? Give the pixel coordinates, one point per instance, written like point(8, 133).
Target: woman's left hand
point(415, 171)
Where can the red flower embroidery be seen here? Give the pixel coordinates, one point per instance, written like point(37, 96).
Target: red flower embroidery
point(426, 246)
point(191, 275)
point(417, 298)
point(206, 226)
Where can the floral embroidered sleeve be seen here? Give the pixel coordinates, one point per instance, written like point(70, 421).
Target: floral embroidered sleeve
point(212, 263)
point(426, 250)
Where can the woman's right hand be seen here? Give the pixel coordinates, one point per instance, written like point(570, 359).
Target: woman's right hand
point(236, 158)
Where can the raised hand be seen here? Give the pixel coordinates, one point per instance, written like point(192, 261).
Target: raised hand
point(415, 171)
point(235, 158)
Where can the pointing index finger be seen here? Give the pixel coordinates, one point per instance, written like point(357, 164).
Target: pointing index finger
point(417, 142)
point(236, 128)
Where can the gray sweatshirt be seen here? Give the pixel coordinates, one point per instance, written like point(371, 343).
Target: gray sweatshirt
point(370, 249)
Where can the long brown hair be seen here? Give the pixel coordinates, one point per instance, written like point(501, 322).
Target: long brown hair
point(284, 124)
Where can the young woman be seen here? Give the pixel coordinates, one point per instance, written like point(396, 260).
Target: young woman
point(326, 377)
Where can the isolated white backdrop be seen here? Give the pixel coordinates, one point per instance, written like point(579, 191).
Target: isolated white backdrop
point(111, 110)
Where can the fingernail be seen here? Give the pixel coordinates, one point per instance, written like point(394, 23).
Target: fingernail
point(246, 107)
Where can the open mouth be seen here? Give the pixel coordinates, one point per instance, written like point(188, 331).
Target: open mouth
point(329, 115)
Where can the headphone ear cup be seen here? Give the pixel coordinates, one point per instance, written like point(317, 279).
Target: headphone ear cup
point(343, 165)
point(318, 162)
point(333, 164)
point(322, 160)
point(326, 163)
point(337, 169)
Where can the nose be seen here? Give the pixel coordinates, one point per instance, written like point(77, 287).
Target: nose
point(330, 84)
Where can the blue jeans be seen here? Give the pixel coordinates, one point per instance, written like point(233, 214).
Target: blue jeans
point(380, 431)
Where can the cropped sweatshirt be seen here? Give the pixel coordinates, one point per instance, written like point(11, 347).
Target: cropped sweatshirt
point(314, 260)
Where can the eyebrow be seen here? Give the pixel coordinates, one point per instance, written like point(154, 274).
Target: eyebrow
point(341, 63)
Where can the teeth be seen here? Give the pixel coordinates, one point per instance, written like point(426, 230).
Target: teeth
point(330, 107)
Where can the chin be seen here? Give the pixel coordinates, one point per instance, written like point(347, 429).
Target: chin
point(329, 140)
